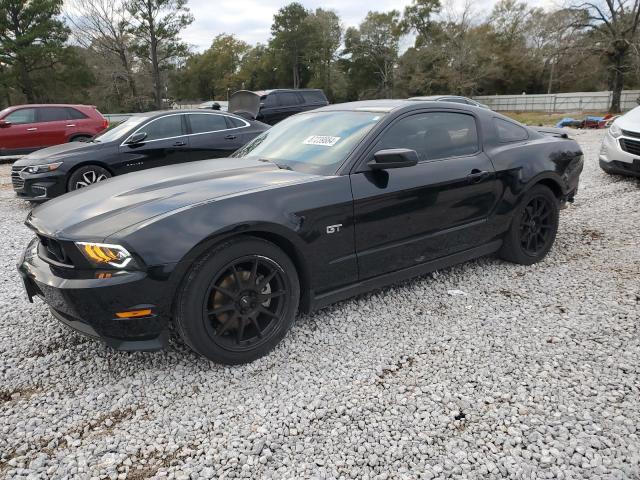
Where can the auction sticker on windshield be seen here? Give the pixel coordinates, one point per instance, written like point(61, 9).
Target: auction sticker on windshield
point(323, 140)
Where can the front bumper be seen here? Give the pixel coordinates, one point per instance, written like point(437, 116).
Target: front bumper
point(39, 187)
point(87, 301)
point(613, 159)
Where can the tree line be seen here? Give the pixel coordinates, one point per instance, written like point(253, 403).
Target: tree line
point(128, 55)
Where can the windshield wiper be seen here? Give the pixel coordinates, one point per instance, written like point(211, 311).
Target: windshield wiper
point(281, 166)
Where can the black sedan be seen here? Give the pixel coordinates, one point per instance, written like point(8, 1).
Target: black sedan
point(143, 141)
point(323, 206)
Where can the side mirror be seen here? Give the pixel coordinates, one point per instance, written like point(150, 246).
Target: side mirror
point(137, 138)
point(4, 124)
point(393, 158)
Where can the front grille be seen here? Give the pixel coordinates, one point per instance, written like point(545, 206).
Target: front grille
point(630, 146)
point(18, 183)
point(628, 133)
point(53, 250)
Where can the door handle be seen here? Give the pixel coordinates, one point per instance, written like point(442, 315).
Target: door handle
point(476, 176)
point(71, 125)
point(32, 129)
point(231, 137)
point(179, 144)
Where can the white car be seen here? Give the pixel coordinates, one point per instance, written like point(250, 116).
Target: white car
point(620, 151)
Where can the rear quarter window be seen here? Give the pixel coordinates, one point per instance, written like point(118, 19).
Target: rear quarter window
point(287, 99)
point(73, 114)
point(509, 132)
point(235, 122)
point(313, 97)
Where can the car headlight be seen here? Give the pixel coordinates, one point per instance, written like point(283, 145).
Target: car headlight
point(101, 254)
point(47, 167)
point(615, 130)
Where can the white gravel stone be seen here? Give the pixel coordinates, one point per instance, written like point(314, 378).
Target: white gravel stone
point(533, 373)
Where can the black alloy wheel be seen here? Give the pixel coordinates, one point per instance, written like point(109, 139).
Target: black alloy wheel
point(238, 300)
point(244, 302)
point(536, 226)
point(533, 228)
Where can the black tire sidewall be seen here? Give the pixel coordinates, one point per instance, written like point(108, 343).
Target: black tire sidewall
point(189, 316)
point(512, 249)
point(78, 172)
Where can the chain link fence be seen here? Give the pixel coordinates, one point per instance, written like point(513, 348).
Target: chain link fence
point(559, 102)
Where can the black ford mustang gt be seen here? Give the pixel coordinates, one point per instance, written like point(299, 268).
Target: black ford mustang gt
point(145, 140)
point(325, 205)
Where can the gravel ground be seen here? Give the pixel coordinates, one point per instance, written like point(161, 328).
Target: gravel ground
point(534, 372)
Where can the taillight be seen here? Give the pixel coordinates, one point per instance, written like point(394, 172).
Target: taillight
point(105, 123)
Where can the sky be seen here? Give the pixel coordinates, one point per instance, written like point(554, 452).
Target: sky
point(250, 20)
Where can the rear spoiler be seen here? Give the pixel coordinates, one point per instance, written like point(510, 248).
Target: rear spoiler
point(552, 132)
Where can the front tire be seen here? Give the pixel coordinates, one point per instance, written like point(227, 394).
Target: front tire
point(238, 301)
point(533, 228)
point(87, 175)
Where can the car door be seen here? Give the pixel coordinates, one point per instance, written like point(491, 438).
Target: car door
point(213, 135)
point(21, 132)
point(52, 125)
point(166, 143)
point(412, 215)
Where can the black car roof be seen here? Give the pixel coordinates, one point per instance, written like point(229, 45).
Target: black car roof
point(386, 106)
point(158, 113)
point(273, 90)
point(438, 97)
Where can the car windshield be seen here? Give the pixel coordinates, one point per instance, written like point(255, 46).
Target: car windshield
point(315, 142)
point(119, 130)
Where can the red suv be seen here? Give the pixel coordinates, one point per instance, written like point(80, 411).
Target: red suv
point(25, 128)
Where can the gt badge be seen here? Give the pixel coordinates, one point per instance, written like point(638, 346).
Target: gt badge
point(334, 228)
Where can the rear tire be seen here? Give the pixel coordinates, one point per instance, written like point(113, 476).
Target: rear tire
point(238, 301)
point(533, 228)
point(80, 138)
point(87, 175)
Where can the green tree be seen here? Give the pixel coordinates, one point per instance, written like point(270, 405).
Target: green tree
point(418, 18)
point(325, 39)
point(155, 26)
point(291, 34)
point(32, 40)
point(613, 29)
point(101, 27)
point(259, 69)
point(211, 74)
point(372, 53)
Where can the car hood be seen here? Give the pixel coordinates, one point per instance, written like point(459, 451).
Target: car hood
point(630, 120)
point(102, 209)
point(56, 153)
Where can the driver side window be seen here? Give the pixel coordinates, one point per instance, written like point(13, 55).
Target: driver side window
point(165, 127)
point(22, 116)
point(433, 135)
